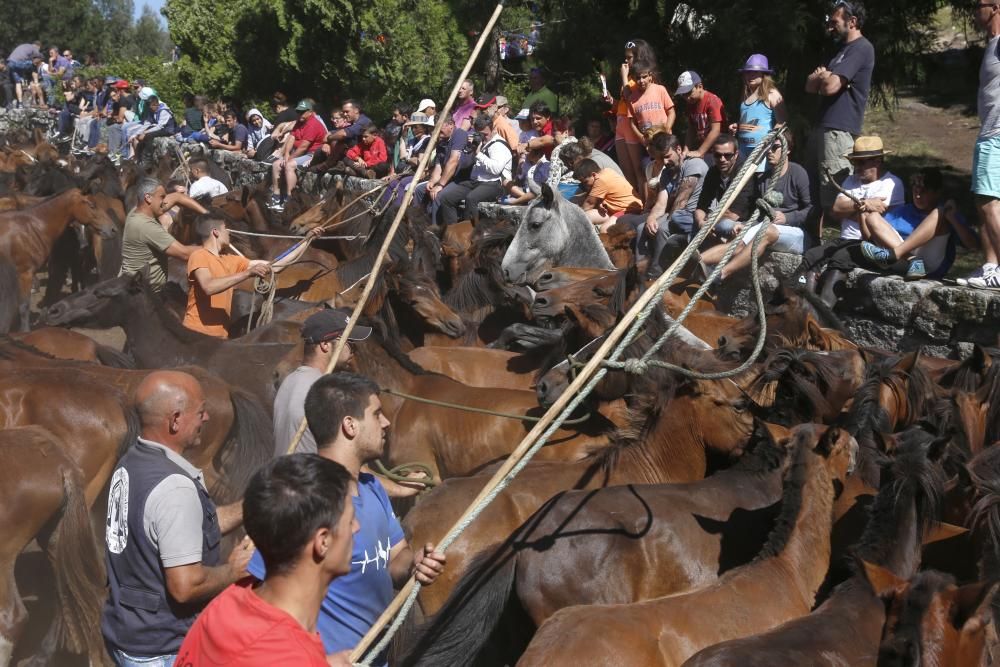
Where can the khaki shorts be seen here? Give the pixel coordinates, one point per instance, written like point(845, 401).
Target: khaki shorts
point(826, 151)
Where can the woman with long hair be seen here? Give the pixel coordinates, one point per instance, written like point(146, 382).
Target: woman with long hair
point(762, 108)
point(628, 143)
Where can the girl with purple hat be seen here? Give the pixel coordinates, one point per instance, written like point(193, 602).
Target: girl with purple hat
point(763, 107)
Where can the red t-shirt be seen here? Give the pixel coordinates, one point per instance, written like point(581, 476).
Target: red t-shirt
point(310, 129)
point(238, 629)
point(703, 113)
point(373, 155)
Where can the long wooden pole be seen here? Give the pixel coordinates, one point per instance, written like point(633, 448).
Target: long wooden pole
point(407, 198)
point(581, 379)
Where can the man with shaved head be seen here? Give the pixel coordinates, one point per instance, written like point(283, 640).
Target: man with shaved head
point(163, 530)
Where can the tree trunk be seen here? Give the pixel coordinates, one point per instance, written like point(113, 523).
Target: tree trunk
point(493, 70)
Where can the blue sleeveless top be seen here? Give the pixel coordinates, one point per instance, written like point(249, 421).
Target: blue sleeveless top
point(761, 117)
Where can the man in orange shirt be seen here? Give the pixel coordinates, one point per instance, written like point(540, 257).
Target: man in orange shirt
point(212, 276)
point(609, 195)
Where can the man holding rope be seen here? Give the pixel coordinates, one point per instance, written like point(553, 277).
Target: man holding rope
point(212, 275)
point(345, 415)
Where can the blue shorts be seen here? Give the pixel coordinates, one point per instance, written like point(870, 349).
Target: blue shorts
point(986, 167)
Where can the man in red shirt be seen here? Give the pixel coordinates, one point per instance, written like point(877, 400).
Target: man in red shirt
point(705, 113)
point(298, 513)
point(306, 137)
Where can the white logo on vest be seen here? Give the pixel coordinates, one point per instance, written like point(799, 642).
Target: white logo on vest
point(116, 526)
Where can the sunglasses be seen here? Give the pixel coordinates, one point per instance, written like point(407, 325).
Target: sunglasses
point(630, 45)
point(774, 148)
point(724, 156)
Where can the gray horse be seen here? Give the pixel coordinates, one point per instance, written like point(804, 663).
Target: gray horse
point(553, 232)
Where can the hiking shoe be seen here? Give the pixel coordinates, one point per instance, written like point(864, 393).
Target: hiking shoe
point(978, 273)
point(990, 280)
point(877, 254)
point(916, 270)
point(276, 203)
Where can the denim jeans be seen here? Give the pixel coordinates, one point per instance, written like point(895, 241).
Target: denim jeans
point(123, 659)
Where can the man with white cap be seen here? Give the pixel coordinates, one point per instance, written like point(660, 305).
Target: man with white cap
point(427, 106)
point(705, 112)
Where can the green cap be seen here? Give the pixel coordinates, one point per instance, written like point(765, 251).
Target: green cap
point(304, 105)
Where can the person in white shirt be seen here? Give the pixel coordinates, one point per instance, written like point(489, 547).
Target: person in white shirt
point(202, 183)
point(878, 189)
point(491, 170)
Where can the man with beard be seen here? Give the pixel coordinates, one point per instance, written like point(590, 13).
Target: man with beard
point(843, 86)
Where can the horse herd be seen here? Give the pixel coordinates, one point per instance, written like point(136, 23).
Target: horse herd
point(833, 505)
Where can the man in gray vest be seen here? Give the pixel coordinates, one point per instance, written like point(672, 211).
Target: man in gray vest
point(163, 530)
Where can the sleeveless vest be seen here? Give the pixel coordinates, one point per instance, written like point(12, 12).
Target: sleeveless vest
point(139, 617)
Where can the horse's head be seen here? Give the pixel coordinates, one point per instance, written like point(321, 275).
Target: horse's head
point(540, 239)
point(722, 412)
point(422, 295)
point(931, 621)
point(323, 212)
point(88, 212)
point(553, 302)
point(94, 306)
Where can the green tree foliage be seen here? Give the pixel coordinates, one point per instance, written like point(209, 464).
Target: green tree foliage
point(63, 23)
point(379, 52)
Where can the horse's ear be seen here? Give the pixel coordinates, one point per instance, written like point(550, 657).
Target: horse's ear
point(883, 581)
point(969, 599)
point(907, 363)
point(814, 332)
point(245, 196)
point(980, 360)
point(941, 531)
point(548, 195)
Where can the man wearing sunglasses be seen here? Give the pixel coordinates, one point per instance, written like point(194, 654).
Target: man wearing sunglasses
point(717, 180)
point(986, 158)
point(843, 86)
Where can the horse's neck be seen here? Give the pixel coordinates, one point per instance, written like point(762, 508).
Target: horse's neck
point(145, 330)
point(806, 556)
point(256, 219)
point(384, 370)
point(53, 216)
point(672, 451)
point(584, 247)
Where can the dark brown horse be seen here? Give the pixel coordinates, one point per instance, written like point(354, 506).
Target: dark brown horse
point(847, 628)
point(42, 497)
point(27, 235)
point(779, 585)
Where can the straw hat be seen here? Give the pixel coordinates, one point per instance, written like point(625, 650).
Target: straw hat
point(865, 147)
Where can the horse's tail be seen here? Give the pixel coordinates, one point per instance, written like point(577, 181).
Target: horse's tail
point(109, 356)
point(250, 446)
point(79, 572)
point(462, 628)
point(10, 297)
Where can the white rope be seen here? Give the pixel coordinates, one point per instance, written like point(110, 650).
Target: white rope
point(295, 236)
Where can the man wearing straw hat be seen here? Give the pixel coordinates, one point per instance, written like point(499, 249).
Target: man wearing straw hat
point(843, 86)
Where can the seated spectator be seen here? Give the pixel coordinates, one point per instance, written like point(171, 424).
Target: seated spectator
point(369, 158)
point(497, 107)
point(600, 138)
point(427, 106)
point(787, 233)
point(452, 162)
point(727, 163)
point(872, 191)
point(212, 276)
point(672, 211)
point(36, 85)
point(396, 134)
point(656, 152)
point(527, 128)
point(918, 239)
point(160, 123)
point(541, 123)
point(333, 151)
point(532, 172)
point(419, 126)
point(202, 183)
point(306, 138)
point(258, 129)
point(705, 112)
point(299, 514)
point(351, 134)
point(194, 119)
point(117, 114)
point(559, 175)
point(235, 138)
point(583, 149)
point(609, 195)
point(491, 169)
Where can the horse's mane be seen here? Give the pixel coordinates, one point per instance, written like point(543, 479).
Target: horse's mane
point(763, 454)
point(822, 312)
point(382, 336)
point(792, 496)
point(168, 320)
point(802, 375)
point(628, 280)
point(482, 287)
point(907, 477)
point(984, 470)
point(21, 345)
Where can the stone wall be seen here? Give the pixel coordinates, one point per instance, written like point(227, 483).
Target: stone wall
point(17, 120)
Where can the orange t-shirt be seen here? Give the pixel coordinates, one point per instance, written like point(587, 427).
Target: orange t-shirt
point(651, 106)
point(618, 194)
point(210, 314)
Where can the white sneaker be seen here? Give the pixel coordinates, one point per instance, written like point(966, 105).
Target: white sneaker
point(989, 280)
point(979, 273)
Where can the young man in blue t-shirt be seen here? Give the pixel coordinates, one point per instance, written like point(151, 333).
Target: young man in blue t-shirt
point(345, 416)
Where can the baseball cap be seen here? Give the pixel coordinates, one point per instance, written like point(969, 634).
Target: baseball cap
point(304, 105)
point(121, 84)
point(486, 99)
point(426, 102)
point(522, 114)
point(686, 82)
point(110, 79)
point(146, 92)
point(329, 324)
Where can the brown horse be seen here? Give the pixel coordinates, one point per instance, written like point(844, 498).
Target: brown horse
point(847, 628)
point(675, 430)
point(70, 345)
point(779, 585)
point(27, 235)
point(663, 538)
point(41, 497)
point(478, 367)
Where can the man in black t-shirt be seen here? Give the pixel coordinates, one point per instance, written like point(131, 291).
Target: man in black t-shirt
point(235, 136)
point(717, 180)
point(843, 86)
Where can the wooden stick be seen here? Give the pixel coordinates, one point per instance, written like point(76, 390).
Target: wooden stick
point(384, 250)
point(582, 377)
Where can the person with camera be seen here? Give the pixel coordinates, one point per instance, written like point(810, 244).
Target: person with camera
point(491, 169)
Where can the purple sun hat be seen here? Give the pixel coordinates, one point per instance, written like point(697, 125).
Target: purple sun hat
point(757, 63)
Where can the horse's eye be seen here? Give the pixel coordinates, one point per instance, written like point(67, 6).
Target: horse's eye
point(536, 225)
